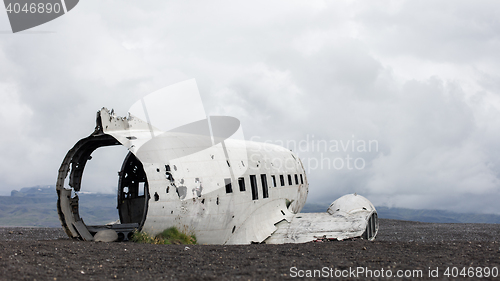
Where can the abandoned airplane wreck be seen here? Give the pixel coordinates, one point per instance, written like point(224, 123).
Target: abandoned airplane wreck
point(198, 179)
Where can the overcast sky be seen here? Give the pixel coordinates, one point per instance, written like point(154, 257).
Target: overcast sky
point(419, 79)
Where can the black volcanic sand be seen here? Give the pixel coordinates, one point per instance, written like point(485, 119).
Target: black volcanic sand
point(47, 254)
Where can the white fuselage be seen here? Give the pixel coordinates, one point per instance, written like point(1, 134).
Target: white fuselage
point(232, 192)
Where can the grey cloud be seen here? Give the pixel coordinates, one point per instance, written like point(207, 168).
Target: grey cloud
point(287, 71)
point(453, 31)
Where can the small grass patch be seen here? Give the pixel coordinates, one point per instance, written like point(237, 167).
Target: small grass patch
point(169, 236)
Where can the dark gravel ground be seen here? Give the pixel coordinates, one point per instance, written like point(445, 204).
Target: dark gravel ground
point(401, 247)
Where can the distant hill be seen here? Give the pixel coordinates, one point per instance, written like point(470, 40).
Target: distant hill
point(417, 215)
point(435, 216)
point(37, 206)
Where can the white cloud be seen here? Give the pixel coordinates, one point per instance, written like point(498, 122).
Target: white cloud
point(420, 78)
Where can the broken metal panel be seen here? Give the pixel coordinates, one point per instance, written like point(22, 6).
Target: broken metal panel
point(130, 131)
point(257, 226)
point(313, 226)
point(64, 209)
point(347, 217)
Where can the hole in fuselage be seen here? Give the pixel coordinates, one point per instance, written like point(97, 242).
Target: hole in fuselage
point(132, 191)
point(133, 195)
point(97, 194)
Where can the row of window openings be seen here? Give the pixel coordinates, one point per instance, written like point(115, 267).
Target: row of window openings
point(263, 180)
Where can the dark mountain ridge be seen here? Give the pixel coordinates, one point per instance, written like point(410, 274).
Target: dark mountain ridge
point(36, 206)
